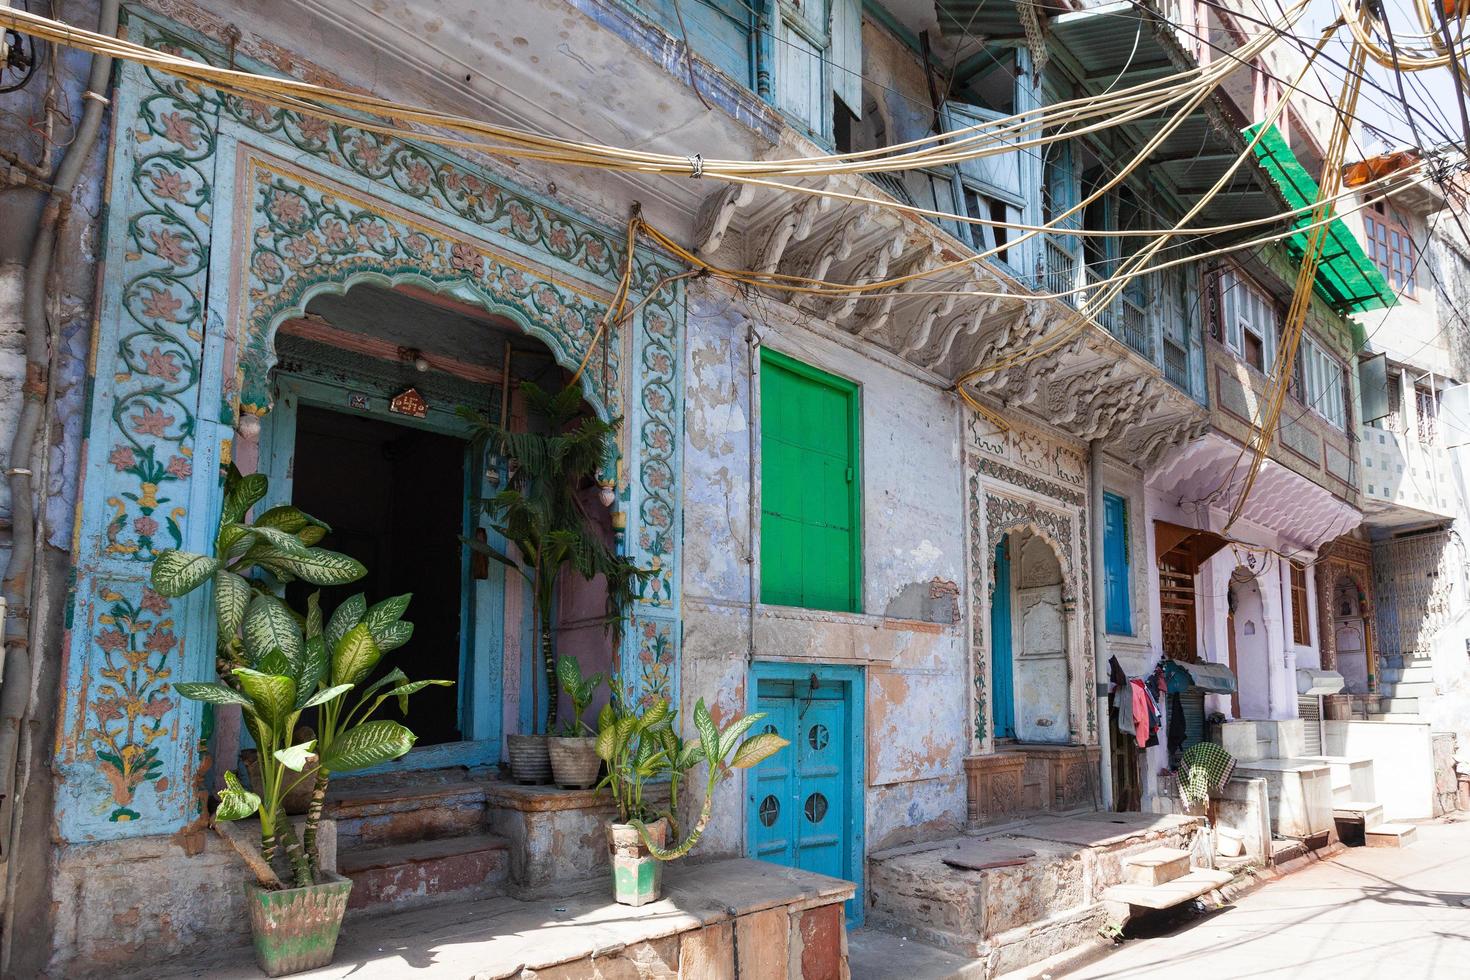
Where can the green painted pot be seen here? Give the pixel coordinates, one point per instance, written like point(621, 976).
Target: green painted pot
point(295, 929)
point(637, 875)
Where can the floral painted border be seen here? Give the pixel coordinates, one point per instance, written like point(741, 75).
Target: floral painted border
point(153, 442)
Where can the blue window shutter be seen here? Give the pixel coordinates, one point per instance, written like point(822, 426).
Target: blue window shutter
point(1115, 564)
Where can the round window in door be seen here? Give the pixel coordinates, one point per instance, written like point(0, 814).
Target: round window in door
point(770, 809)
point(816, 807)
point(817, 737)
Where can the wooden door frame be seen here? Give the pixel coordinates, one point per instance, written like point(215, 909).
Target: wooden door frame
point(482, 614)
point(853, 679)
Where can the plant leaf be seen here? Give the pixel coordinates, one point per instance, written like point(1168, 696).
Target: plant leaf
point(757, 749)
point(211, 693)
point(736, 730)
point(269, 626)
point(283, 543)
point(322, 567)
point(709, 735)
point(394, 676)
point(276, 662)
point(235, 801)
point(370, 744)
point(297, 757)
point(272, 696)
point(231, 599)
point(393, 636)
point(355, 657)
point(241, 494)
point(386, 612)
point(655, 714)
point(311, 534)
point(607, 742)
point(404, 690)
point(177, 573)
point(569, 674)
point(347, 615)
point(315, 663)
point(324, 695)
point(314, 614)
point(290, 519)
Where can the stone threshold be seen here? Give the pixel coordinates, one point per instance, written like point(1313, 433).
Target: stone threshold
point(706, 910)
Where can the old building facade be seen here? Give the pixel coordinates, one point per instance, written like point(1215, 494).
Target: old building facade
point(925, 593)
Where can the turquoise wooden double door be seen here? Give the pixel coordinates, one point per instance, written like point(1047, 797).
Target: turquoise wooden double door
point(804, 806)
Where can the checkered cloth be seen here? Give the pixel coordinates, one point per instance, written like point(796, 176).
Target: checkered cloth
point(1203, 769)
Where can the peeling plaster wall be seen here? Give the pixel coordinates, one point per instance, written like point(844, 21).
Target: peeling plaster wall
point(909, 639)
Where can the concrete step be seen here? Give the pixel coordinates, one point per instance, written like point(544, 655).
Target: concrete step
point(471, 866)
point(1418, 673)
point(1200, 881)
point(1406, 718)
point(1399, 706)
point(1285, 849)
point(404, 808)
point(1154, 867)
point(1390, 835)
point(1410, 689)
point(1364, 812)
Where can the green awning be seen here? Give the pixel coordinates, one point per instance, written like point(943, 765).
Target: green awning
point(1346, 278)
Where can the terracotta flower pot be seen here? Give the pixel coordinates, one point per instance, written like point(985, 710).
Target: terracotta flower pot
point(530, 759)
point(574, 762)
point(295, 929)
point(637, 875)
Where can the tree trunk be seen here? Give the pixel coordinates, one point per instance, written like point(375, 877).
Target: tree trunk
point(548, 664)
point(314, 819)
point(300, 870)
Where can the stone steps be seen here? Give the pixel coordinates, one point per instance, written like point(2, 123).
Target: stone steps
point(1196, 883)
point(1155, 867)
point(1364, 812)
point(1390, 835)
point(1399, 706)
point(467, 867)
point(400, 808)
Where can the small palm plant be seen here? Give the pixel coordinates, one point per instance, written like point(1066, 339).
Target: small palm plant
point(275, 663)
point(541, 512)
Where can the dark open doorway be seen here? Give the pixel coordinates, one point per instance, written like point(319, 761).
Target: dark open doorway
point(394, 497)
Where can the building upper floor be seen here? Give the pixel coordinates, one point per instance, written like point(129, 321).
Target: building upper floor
point(1135, 363)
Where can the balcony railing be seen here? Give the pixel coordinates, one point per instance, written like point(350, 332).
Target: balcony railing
point(1133, 327)
point(1061, 270)
point(1176, 365)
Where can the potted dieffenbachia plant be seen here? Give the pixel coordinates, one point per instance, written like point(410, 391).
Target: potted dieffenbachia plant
point(575, 763)
point(640, 745)
point(541, 512)
point(276, 664)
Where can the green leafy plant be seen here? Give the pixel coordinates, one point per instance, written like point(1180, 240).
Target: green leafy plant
point(540, 511)
point(581, 690)
point(642, 745)
point(276, 663)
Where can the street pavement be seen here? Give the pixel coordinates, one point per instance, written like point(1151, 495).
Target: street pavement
point(1379, 913)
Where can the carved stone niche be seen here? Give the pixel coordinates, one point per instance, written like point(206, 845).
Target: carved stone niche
point(1027, 779)
point(993, 786)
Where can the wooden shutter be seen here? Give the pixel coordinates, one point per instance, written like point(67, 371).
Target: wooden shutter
point(1000, 175)
point(1115, 564)
point(809, 491)
point(847, 54)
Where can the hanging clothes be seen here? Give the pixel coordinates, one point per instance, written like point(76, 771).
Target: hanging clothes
point(1140, 712)
point(1203, 772)
point(1123, 701)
